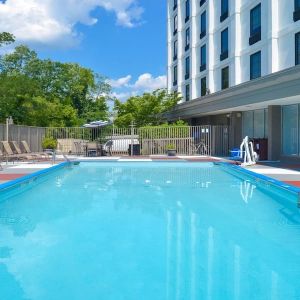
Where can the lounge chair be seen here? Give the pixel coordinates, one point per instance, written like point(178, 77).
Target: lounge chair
point(10, 155)
point(18, 151)
point(28, 151)
point(2, 158)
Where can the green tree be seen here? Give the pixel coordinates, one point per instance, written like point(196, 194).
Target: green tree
point(144, 110)
point(6, 38)
point(49, 93)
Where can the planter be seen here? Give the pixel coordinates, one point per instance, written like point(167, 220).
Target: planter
point(171, 152)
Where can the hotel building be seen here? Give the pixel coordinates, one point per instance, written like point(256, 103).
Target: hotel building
point(235, 62)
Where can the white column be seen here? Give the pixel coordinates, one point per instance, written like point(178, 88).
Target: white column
point(272, 35)
point(235, 41)
point(210, 46)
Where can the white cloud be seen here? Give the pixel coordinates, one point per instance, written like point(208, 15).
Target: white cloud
point(121, 82)
point(123, 88)
point(147, 82)
point(53, 21)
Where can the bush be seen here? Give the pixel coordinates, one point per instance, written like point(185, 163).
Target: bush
point(49, 143)
point(170, 147)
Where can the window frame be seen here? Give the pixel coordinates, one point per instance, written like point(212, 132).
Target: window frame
point(202, 2)
point(203, 58)
point(175, 24)
point(187, 67)
point(252, 65)
point(187, 38)
point(203, 23)
point(175, 75)
point(187, 10)
point(224, 50)
point(175, 50)
point(297, 48)
point(223, 81)
point(255, 31)
point(224, 10)
point(203, 89)
point(187, 88)
point(175, 4)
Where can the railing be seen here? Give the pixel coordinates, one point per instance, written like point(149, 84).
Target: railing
point(187, 140)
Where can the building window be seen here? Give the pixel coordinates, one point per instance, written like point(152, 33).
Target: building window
point(187, 10)
point(224, 10)
point(297, 10)
point(187, 68)
point(255, 65)
point(290, 129)
point(175, 4)
point(203, 25)
point(255, 123)
point(187, 92)
point(203, 58)
point(203, 86)
point(224, 44)
point(187, 39)
point(175, 25)
point(225, 78)
point(175, 74)
point(202, 2)
point(297, 48)
point(255, 25)
point(175, 50)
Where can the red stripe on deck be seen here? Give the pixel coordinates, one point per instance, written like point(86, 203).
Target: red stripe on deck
point(10, 176)
point(294, 183)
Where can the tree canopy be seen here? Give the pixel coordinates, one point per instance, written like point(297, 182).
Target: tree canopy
point(43, 92)
point(49, 93)
point(145, 110)
point(6, 38)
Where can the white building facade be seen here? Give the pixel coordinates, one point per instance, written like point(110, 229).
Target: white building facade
point(216, 44)
point(237, 62)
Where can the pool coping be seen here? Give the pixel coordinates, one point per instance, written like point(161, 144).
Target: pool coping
point(28, 177)
point(256, 176)
point(263, 178)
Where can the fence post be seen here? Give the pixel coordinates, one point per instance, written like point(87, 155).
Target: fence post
point(132, 137)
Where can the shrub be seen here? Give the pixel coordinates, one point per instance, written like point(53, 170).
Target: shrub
point(49, 143)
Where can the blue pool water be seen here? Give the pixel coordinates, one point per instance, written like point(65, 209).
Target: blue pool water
point(148, 231)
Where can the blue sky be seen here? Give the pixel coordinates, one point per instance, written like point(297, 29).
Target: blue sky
point(124, 40)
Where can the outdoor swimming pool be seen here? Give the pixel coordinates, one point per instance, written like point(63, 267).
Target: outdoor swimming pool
point(155, 230)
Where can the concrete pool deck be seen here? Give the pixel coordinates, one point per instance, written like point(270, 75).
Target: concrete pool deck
point(288, 173)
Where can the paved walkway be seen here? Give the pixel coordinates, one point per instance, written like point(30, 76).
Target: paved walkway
point(288, 173)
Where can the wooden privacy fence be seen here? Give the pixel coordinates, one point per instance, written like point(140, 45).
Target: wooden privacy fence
point(187, 140)
point(33, 135)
